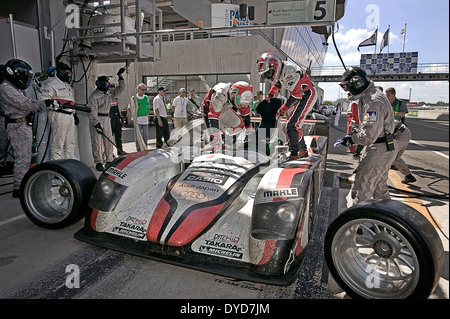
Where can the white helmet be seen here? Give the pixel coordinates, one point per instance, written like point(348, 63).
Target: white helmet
point(269, 67)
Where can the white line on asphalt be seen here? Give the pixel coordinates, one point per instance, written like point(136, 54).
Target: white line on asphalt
point(436, 152)
point(12, 219)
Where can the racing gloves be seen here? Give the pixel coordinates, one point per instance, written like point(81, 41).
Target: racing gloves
point(98, 127)
point(282, 110)
point(76, 119)
point(119, 73)
point(56, 105)
point(346, 141)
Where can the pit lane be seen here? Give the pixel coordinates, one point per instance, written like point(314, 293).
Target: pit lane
point(38, 263)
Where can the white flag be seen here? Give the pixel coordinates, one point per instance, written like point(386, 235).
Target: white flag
point(402, 33)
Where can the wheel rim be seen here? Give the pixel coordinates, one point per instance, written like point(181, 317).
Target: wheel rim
point(375, 260)
point(49, 197)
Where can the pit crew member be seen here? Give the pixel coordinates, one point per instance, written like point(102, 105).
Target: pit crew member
point(17, 77)
point(62, 122)
point(375, 132)
point(100, 126)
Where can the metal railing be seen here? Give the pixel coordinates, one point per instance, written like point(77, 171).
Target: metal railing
point(424, 68)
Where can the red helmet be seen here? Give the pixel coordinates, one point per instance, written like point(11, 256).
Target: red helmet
point(269, 67)
point(241, 93)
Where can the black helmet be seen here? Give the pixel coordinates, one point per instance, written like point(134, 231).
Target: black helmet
point(18, 73)
point(103, 83)
point(354, 80)
point(63, 72)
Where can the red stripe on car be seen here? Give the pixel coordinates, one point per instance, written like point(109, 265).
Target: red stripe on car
point(157, 220)
point(285, 179)
point(126, 161)
point(94, 215)
point(269, 248)
point(194, 224)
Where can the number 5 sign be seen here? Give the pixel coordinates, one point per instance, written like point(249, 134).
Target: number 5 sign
point(311, 12)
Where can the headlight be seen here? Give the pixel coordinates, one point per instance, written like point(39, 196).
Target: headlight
point(266, 213)
point(106, 194)
point(286, 213)
point(107, 187)
point(274, 221)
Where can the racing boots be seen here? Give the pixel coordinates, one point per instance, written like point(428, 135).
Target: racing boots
point(99, 167)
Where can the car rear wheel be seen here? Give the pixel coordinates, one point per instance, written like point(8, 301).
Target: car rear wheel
point(55, 194)
point(384, 249)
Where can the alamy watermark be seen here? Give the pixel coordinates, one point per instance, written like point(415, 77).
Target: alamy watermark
point(373, 19)
point(373, 278)
point(73, 16)
point(73, 277)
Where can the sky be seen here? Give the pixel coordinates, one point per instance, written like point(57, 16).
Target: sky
point(427, 32)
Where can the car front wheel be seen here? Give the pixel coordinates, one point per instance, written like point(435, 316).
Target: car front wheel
point(55, 194)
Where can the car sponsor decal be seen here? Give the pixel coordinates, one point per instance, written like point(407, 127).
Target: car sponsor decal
point(288, 178)
point(220, 252)
point(132, 227)
point(194, 195)
point(283, 193)
point(123, 162)
point(206, 177)
point(226, 238)
point(117, 173)
point(130, 230)
point(222, 245)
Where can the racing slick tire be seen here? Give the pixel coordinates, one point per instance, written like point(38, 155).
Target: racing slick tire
point(55, 194)
point(384, 249)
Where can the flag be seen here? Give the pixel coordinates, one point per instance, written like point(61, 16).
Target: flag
point(402, 33)
point(370, 41)
point(385, 41)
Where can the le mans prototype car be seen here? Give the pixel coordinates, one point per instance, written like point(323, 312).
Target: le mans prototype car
point(245, 213)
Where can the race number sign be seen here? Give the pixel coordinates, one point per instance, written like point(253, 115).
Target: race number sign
point(313, 12)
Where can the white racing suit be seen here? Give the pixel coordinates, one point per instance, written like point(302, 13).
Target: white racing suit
point(376, 121)
point(218, 107)
point(302, 98)
point(62, 121)
point(16, 107)
point(100, 104)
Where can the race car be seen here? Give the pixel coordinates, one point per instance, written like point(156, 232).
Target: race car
point(246, 212)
